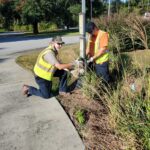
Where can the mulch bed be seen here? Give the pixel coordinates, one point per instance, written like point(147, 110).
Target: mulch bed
point(96, 133)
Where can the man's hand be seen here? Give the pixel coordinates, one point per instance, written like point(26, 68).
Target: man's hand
point(78, 63)
point(90, 60)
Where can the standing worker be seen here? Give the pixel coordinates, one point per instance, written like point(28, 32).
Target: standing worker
point(47, 66)
point(97, 50)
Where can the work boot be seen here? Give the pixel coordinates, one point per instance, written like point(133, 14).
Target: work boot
point(25, 90)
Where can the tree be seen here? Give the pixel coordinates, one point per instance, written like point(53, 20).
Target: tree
point(74, 11)
point(7, 12)
point(97, 9)
point(31, 13)
point(61, 12)
point(116, 4)
point(34, 11)
point(66, 15)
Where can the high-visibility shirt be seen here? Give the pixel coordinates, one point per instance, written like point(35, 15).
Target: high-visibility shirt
point(97, 42)
point(42, 68)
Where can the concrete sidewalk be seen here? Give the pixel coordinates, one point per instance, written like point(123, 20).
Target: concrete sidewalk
point(31, 123)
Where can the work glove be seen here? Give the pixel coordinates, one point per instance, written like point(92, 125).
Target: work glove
point(78, 68)
point(90, 60)
point(77, 72)
point(78, 63)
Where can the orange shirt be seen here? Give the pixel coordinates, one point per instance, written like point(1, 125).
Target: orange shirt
point(103, 43)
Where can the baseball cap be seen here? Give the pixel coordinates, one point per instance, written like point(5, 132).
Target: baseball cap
point(90, 27)
point(58, 39)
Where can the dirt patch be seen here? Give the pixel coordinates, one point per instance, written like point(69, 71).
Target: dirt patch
point(96, 133)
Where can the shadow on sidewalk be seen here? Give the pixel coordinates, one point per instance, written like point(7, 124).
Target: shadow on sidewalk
point(3, 59)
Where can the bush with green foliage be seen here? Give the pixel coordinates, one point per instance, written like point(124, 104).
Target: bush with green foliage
point(22, 28)
point(44, 26)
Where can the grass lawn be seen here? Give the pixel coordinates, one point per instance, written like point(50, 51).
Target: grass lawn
point(57, 32)
point(2, 30)
point(68, 53)
point(48, 34)
point(141, 58)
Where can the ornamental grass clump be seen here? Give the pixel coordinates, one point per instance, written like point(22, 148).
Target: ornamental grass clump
point(127, 101)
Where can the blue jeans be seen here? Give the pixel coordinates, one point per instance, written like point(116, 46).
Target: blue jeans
point(45, 86)
point(102, 70)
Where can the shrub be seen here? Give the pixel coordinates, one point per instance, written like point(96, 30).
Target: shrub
point(127, 32)
point(22, 28)
point(43, 26)
point(137, 31)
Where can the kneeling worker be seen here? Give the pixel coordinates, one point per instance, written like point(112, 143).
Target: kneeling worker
point(47, 66)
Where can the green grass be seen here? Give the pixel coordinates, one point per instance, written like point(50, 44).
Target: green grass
point(27, 61)
point(67, 54)
point(141, 58)
point(2, 30)
point(71, 32)
point(53, 33)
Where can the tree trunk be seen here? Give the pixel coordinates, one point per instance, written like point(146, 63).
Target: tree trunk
point(35, 28)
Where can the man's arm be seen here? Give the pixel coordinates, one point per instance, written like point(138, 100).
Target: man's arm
point(87, 52)
point(88, 46)
point(64, 66)
point(51, 59)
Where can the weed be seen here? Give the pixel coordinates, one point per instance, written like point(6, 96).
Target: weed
point(80, 116)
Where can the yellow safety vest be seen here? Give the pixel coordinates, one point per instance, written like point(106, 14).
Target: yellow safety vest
point(104, 57)
point(42, 68)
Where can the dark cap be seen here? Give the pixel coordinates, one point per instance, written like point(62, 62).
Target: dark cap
point(57, 39)
point(90, 27)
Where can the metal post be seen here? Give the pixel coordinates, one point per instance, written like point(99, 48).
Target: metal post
point(109, 9)
point(91, 9)
point(91, 3)
point(82, 33)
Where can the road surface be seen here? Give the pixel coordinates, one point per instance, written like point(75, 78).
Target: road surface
point(15, 44)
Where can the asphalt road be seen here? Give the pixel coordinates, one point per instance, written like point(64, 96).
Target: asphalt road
point(15, 44)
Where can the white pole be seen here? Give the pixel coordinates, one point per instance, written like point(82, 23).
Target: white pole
point(109, 9)
point(82, 32)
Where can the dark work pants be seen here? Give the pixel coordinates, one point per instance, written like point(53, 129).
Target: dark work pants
point(45, 86)
point(102, 70)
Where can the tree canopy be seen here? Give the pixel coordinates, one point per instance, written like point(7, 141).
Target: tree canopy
point(61, 12)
